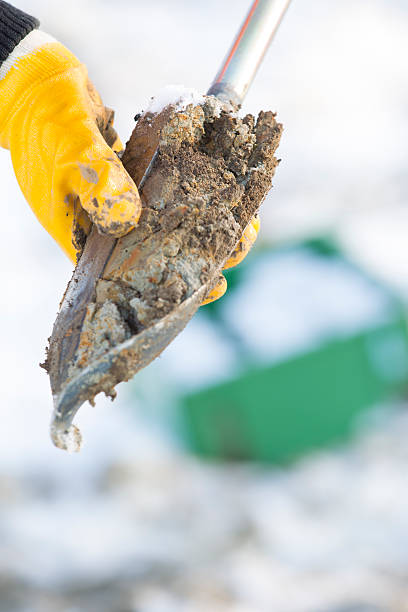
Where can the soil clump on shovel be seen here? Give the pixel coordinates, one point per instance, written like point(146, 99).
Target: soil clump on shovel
point(208, 172)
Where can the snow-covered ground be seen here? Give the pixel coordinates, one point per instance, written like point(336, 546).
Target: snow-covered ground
point(154, 531)
point(131, 524)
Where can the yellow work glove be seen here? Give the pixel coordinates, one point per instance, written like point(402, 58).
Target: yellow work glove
point(51, 119)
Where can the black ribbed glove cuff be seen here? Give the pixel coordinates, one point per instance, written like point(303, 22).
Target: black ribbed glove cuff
point(14, 26)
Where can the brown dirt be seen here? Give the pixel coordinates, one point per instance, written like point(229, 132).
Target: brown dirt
point(210, 177)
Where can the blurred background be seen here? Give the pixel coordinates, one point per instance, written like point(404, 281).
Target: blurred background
point(261, 463)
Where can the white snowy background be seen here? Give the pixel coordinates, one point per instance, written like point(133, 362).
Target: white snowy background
point(132, 524)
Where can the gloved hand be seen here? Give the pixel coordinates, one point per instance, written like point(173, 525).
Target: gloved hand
point(51, 119)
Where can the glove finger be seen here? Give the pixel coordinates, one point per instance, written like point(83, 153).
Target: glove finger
point(104, 117)
point(217, 292)
point(117, 145)
point(245, 244)
point(80, 228)
point(105, 189)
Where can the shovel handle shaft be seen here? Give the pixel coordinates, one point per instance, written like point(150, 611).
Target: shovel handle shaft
point(248, 49)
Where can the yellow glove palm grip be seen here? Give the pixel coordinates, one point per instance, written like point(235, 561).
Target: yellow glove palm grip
point(48, 120)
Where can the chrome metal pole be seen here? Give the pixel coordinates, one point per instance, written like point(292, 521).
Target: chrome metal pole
point(248, 49)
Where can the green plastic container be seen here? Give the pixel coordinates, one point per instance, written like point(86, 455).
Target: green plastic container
point(279, 412)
